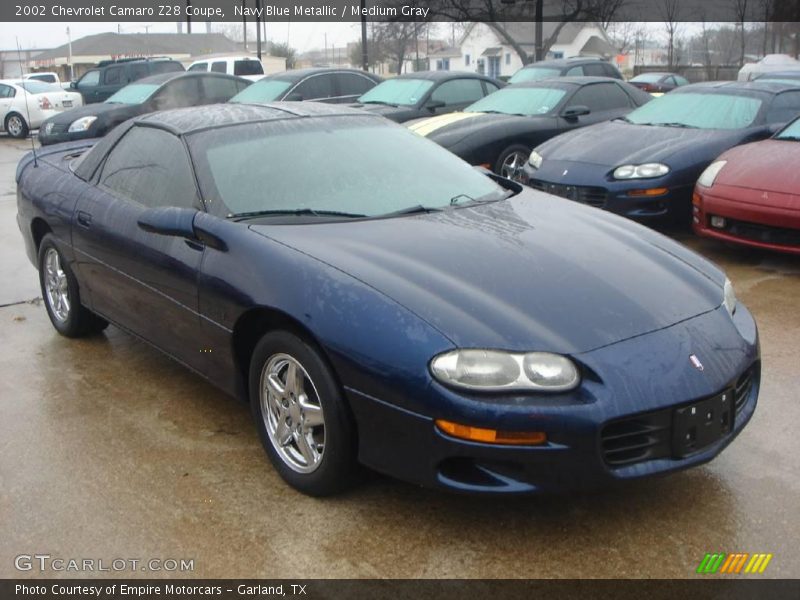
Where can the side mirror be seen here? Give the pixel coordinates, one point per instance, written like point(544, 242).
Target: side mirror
point(73, 85)
point(573, 112)
point(432, 105)
point(294, 97)
point(169, 220)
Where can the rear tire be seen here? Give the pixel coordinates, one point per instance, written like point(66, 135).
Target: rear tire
point(16, 126)
point(61, 295)
point(301, 415)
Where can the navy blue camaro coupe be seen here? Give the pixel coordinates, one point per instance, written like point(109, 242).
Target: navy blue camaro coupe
point(377, 300)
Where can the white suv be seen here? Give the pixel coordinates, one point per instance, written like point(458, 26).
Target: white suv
point(241, 66)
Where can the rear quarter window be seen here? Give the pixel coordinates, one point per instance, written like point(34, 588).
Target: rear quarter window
point(247, 67)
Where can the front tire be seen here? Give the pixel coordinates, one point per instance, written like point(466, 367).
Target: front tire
point(301, 416)
point(16, 126)
point(511, 162)
point(61, 295)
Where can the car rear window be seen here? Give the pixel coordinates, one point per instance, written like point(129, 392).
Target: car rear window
point(533, 74)
point(247, 67)
point(166, 66)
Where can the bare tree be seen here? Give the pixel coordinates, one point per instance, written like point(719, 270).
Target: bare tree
point(740, 8)
point(397, 38)
point(670, 14)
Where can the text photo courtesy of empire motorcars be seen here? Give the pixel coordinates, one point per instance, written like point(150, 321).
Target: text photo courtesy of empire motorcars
point(443, 298)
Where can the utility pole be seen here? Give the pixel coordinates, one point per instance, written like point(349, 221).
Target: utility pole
point(364, 56)
point(244, 24)
point(539, 30)
point(258, 29)
point(188, 16)
point(69, 55)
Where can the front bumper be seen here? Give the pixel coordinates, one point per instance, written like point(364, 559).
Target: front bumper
point(589, 184)
point(627, 381)
point(750, 219)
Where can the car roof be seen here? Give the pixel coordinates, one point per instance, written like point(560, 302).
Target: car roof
point(560, 63)
point(789, 74)
point(745, 88)
point(298, 74)
point(183, 121)
point(659, 73)
point(164, 77)
point(572, 80)
point(442, 75)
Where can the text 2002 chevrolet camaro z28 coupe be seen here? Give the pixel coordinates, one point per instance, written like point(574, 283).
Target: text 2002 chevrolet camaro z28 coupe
point(380, 301)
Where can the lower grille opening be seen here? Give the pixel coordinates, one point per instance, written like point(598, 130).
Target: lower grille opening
point(640, 438)
point(593, 196)
point(742, 390)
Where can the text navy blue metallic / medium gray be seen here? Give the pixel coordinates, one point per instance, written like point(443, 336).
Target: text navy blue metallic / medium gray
point(393, 306)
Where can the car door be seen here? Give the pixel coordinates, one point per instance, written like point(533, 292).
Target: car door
point(142, 281)
point(7, 94)
point(605, 101)
point(113, 78)
point(315, 87)
point(89, 85)
point(454, 94)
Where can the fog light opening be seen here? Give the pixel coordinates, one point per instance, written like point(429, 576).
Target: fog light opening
point(717, 222)
point(648, 193)
point(492, 436)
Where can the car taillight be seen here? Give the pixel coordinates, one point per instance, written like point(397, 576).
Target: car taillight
point(44, 103)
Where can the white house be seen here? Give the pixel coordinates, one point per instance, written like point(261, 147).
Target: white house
point(482, 50)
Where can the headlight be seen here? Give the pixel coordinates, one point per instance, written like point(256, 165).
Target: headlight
point(729, 296)
point(82, 124)
point(708, 176)
point(645, 171)
point(535, 159)
point(494, 370)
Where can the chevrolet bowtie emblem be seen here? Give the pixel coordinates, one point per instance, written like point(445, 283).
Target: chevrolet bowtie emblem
point(696, 362)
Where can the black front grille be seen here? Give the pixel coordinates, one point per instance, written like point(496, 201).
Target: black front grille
point(636, 439)
point(593, 196)
point(742, 390)
point(762, 233)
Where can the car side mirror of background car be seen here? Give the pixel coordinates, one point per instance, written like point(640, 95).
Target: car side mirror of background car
point(295, 97)
point(573, 112)
point(73, 85)
point(432, 105)
point(169, 220)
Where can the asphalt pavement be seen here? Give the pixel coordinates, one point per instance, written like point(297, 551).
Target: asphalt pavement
point(110, 450)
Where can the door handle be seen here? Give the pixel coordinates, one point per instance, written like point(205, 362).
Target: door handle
point(84, 218)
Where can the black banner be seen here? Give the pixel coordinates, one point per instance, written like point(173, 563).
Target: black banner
point(114, 589)
point(603, 11)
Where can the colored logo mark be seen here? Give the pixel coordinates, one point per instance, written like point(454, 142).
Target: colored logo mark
point(734, 564)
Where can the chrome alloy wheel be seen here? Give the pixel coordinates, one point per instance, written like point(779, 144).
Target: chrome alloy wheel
point(292, 413)
point(513, 165)
point(15, 126)
point(55, 286)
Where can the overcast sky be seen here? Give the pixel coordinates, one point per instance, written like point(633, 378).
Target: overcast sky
point(303, 36)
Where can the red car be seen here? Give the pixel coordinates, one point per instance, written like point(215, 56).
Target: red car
point(751, 194)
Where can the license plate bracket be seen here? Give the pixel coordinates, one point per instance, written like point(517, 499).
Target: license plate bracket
point(701, 423)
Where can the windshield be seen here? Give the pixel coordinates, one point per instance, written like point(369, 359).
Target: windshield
point(266, 90)
point(360, 166)
point(38, 87)
point(534, 74)
point(526, 101)
point(704, 111)
point(647, 78)
point(405, 92)
point(135, 93)
point(792, 132)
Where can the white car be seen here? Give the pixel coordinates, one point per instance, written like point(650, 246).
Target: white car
point(24, 105)
point(770, 63)
point(241, 66)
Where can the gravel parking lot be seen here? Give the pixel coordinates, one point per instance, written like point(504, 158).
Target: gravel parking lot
point(109, 450)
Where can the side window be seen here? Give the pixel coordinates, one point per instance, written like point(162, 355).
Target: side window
point(458, 91)
point(490, 87)
point(218, 89)
point(90, 79)
point(351, 84)
point(319, 86)
point(165, 66)
point(178, 93)
point(595, 70)
point(784, 108)
point(113, 76)
point(248, 67)
point(219, 66)
point(575, 71)
point(45, 78)
point(201, 66)
point(6, 91)
point(137, 71)
point(600, 96)
point(150, 166)
point(611, 71)
point(681, 80)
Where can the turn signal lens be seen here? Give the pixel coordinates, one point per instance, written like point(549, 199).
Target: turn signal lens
point(650, 192)
point(492, 436)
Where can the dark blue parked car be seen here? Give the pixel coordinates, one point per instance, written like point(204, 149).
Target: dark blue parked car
point(378, 300)
point(645, 165)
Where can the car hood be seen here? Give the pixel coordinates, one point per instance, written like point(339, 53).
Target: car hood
point(769, 165)
point(448, 130)
point(97, 110)
point(531, 273)
point(395, 113)
point(617, 143)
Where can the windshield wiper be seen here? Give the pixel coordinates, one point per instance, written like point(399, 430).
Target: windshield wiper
point(790, 138)
point(412, 210)
point(294, 212)
point(675, 124)
point(379, 102)
point(627, 120)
